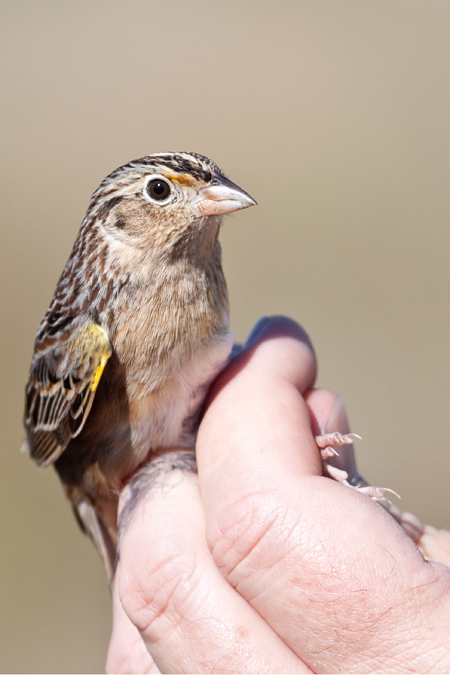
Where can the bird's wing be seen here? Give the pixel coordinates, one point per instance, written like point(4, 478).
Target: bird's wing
point(61, 390)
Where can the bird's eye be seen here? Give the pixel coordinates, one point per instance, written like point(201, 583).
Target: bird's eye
point(158, 189)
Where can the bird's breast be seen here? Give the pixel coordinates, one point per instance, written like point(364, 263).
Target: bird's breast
point(167, 414)
point(170, 341)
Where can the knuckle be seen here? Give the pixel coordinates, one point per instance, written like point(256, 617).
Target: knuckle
point(252, 533)
point(154, 587)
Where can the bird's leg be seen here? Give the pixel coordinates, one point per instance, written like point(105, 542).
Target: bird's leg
point(327, 444)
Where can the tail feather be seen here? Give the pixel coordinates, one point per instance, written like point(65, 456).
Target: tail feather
point(94, 526)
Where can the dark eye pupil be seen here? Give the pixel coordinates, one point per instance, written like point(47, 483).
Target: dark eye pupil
point(158, 189)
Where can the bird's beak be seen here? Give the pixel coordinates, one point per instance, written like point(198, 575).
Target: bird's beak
point(221, 196)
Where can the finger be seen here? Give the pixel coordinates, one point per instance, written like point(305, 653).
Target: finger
point(188, 616)
point(278, 357)
point(302, 370)
point(435, 544)
point(319, 562)
point(127, 652)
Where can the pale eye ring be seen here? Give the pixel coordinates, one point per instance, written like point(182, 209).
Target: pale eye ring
point(159, 190)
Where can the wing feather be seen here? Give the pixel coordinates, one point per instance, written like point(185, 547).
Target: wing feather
point(61, 390)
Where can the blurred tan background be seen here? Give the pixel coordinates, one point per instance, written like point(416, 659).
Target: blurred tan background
point(335, 116)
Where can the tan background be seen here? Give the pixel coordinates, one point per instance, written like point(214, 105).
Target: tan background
point(335, 115)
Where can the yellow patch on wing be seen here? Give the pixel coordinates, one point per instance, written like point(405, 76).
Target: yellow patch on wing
point(100, 346)
point(98, 372)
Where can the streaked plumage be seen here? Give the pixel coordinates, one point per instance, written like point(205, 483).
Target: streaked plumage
point(136, 331)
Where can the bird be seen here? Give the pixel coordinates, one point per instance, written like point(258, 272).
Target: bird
point(137, 330)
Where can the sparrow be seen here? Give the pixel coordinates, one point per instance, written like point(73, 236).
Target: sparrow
point(137, 330)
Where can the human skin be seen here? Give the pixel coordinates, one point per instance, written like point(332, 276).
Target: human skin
point(261, 564)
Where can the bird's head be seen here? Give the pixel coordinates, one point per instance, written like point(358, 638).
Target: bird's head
point(169, 204)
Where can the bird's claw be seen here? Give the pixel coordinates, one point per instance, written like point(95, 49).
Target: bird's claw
point(325, 445)
point(374, 492)
point(335, 439)
point(328, 452)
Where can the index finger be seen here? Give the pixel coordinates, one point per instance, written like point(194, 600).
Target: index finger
point(278, 355)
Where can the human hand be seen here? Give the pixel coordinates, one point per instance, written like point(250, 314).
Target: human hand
point(261, 564)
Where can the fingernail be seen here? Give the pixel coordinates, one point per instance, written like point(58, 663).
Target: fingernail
point(257, 330)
